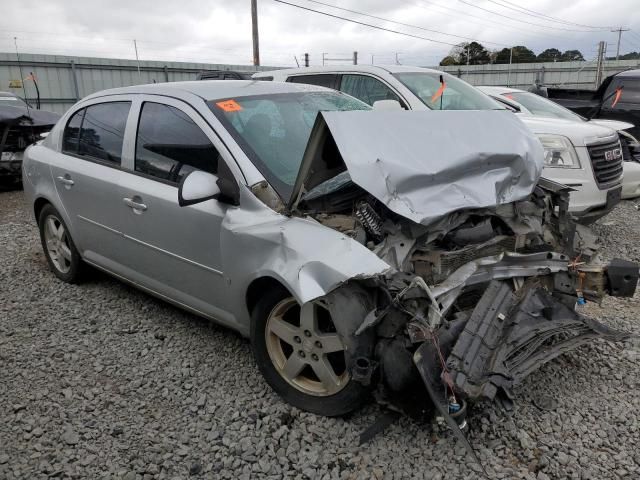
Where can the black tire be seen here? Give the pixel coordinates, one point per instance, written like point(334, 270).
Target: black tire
point(76, 266)
point(348, 399)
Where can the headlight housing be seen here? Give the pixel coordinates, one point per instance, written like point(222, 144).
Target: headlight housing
point(559, 152)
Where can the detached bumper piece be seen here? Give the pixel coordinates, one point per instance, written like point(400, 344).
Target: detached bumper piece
point(507, 338)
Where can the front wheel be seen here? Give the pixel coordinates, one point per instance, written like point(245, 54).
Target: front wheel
point(301, 356)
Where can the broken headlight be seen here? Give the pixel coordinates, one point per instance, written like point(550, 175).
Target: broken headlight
point(559, 152)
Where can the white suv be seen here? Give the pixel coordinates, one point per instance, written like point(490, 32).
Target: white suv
point(531, 104)
point(589, 159)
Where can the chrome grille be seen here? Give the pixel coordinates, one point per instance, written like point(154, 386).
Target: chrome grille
point(606, 159)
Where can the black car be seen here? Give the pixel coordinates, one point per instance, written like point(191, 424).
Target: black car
point(20, 126)
point(618, 98)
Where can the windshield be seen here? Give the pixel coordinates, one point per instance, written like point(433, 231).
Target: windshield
point(541, 106)
point(273, 130)
point(12, 101)
point(457, 94)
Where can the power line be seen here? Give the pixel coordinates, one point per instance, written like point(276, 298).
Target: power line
point(405, 24)
point(533, 13)
point(493, 12)
point(365, 24)
point(484, 21)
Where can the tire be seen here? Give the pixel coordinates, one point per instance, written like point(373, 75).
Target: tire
point(60, 251)
point(302, 392)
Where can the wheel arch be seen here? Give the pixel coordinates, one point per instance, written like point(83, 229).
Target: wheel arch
point(38, 205)
point(258, 286)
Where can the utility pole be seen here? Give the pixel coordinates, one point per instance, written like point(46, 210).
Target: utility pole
point(619, 30)
point(306, 59)
point(397, 59)
point(468, 52)
point(602, 46)
point(135, 46)
point(355, 58)
point(254, 27)
point(509, 71)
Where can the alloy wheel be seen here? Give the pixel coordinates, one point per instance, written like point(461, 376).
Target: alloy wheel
point(57, 242)
point(305, 349)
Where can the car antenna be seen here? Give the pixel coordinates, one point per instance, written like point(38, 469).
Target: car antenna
point(24, 89)
point(440, 92)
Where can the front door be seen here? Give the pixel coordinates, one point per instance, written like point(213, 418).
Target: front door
point(175, 251)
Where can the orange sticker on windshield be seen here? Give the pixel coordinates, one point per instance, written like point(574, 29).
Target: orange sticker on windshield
point(439, 93)
point(229, 106)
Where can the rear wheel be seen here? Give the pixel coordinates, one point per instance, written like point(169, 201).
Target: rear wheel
point(302, 357)
point(61, 253)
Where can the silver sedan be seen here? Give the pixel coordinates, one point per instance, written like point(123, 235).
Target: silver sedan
point(417, 255)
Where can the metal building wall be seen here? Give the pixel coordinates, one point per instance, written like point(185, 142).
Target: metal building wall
point(63, 80)
point(524, 75)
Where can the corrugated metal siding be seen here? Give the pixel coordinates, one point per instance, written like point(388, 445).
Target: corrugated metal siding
point(523, 75)
point(55, 75)
point(58, 91)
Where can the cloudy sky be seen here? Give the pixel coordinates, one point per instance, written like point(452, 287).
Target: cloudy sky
point(219, 31)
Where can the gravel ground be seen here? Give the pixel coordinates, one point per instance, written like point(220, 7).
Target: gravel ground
point(101, 381)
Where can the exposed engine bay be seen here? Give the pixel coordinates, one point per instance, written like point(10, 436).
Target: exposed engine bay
point(476, 301)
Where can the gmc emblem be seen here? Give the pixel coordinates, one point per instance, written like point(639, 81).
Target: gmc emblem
point(614, 154)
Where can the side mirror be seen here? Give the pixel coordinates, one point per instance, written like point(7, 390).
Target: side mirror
point(197, 187)
point(388, 105)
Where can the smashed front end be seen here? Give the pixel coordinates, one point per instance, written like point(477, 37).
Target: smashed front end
point(469, 314)
point(478, 297)
point(20, 128)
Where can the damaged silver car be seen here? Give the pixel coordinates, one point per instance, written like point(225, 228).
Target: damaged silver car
point(414, 257)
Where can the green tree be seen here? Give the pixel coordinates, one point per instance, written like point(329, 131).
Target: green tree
point(550, 55)
point(476, 52)
point(521, 54)
point(628, 56)
point(572, 56)
point(448, 60)
point(478, 55)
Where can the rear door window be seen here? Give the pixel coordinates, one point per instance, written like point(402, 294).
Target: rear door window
point(102, 131)
point(169, 145)
point(322, 80)
point(367, 89)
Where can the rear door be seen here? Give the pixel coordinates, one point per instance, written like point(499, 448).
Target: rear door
point(86, 173)
point(174, 251)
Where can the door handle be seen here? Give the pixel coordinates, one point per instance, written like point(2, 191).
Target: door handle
point(133, 203)
point(66, 180)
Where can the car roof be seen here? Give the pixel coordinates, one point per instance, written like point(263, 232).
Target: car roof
point(629, 73)
point(347, 68)
point(498, 90)
point(211, 89)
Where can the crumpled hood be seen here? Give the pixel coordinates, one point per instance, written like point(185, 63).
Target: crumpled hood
point(425, 164)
